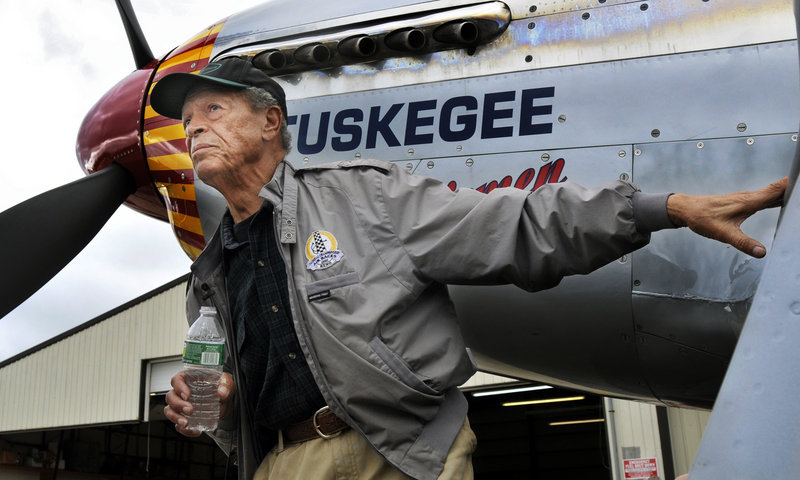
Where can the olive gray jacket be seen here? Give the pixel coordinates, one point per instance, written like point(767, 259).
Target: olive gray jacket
point(369, 250)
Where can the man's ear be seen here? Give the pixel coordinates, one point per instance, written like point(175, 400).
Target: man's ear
point(272, 125)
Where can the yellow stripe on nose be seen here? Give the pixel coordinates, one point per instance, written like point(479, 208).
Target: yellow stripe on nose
point(177, 161)
point(164, 134)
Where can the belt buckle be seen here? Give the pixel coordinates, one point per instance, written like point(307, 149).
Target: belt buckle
point(316, 424)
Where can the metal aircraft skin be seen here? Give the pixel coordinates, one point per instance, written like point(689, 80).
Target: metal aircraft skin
point(692, 96)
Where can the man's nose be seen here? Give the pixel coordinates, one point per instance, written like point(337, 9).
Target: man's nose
point(194, 129)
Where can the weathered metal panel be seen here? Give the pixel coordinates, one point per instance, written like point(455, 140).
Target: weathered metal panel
point(93, 376)
point(690, 297)
point(752, 432)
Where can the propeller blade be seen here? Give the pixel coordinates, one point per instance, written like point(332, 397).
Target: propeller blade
point(41, 235)
point(142, 54)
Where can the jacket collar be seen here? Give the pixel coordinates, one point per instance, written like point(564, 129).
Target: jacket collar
point(281, 191)
point(210, 258)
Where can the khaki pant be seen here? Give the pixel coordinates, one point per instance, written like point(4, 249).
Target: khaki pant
point(350, 457)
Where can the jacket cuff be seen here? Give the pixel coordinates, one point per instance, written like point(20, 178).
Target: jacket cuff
point(650, 212)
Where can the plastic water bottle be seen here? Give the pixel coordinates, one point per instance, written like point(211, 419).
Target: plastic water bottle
point(203, 356)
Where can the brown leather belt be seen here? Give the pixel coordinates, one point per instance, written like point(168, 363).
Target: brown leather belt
point(323, 424)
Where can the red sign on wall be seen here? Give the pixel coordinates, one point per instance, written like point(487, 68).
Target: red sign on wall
point(641, 468)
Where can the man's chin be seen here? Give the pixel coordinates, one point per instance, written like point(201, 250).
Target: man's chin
point(206, 173)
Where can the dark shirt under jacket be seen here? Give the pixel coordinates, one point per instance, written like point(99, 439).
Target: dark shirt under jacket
point(278, 385)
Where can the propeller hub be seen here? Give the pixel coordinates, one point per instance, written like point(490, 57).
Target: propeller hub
point(111, 132)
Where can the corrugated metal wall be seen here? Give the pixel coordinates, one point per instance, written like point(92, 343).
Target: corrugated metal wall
point(93, 376)
point(635, 427)
point(636, 432)
point(686, 429)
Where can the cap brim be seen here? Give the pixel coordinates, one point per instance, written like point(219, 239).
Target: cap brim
point(169, 94)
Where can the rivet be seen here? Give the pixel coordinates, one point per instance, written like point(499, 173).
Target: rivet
point(194, 64)
point(636, 283)
point(358, 154)
point(431, 164)
point(655, 133)
point(275, 308)
point(751, 141)
point(459, 148)
point(410, 152)
point(562, 118)
point(623, 259)
point(532, 9)
point(288, 235)
point(741, 127)
point(795, 308)
point(638, 152)
point(292, 356)
point(289, 222)
point(146, 133)
point(528, 58)
point(622, 154)
point(545, 157)
point(624, 177)
point(643, 7)
point(700, 145)
point(305, 160)
point(585, 16)
point(794, 138)
point(470, 162)
point(183, 176)
point(260, 263)
point(409, 166)
point(531, 25)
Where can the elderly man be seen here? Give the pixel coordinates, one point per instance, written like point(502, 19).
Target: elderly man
point(345, 355)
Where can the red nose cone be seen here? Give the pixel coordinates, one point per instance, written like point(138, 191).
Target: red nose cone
point(112, 133)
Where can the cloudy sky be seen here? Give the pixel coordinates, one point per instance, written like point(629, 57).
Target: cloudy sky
point(59, 58)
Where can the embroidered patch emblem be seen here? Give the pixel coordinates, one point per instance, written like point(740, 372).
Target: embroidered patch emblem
point(321, 250)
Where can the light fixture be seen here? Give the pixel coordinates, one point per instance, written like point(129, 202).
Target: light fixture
point(575, 422)
point(510, 390)
point(545, 400)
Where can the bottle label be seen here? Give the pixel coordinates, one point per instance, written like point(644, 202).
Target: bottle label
point(202, 353)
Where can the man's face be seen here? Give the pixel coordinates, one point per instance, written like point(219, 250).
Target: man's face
point(223, 133)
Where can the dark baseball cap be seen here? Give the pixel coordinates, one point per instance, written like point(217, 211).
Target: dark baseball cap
point(170, 92)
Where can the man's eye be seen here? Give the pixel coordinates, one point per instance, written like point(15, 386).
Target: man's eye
point(213, 107)
point(186, 122)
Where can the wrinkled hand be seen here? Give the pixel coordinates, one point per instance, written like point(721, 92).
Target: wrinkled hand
point(720, 216)
point(179, 405)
